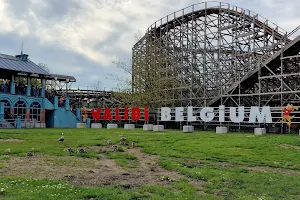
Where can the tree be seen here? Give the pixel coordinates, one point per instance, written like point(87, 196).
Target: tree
point(149, 77)
point(124, 81)
point(37, 82)
point(44, 66)
point(97, 86)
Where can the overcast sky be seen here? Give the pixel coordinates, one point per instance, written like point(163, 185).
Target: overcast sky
point(83, 37)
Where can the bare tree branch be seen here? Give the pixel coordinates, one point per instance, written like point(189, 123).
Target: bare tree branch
point(44, 66)
point(97, 86)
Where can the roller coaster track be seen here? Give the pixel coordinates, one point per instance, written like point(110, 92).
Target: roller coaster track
point(212, 54)
point(291, 49)
point(162, 29)
point(81, 97)
point(208, 47)
point(294, 31)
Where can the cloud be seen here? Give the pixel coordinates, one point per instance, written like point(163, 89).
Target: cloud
point(80, 37)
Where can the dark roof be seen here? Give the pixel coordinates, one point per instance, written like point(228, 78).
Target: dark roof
point(16, 64)
point(61, 77)
point(13, 63)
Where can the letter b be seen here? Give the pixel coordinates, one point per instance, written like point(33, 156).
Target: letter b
point(136, 114)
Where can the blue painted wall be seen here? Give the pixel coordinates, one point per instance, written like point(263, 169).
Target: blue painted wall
point(15, 98)
point(47, 104)
point(1, 112)
point(58, 117)
point(63, 118)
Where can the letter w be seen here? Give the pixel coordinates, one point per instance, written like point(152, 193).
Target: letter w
point(96, 114)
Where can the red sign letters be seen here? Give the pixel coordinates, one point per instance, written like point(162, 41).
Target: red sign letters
point(106, 114)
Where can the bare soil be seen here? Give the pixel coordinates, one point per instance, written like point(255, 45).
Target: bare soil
point(276, 170)
point(11, 140)
point(93, 172)
point(287, 146)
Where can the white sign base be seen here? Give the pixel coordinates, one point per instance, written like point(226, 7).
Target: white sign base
point(96, 125)
point(129, 126)
point(111, 126)
point(259, 131)
point(158, 127)
point(221, 130)
point(188, 129)
point(148, 127)
point(81, 125)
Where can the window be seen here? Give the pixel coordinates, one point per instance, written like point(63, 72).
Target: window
point(35, 111)
point(20, 110)
point(6, 109)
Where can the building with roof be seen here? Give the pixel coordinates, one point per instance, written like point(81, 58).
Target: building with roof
point(29, 97)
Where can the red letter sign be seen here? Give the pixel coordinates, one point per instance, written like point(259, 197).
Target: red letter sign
point(136, 114)
point(118, 117)
point(107, 114)
point(126, 113)
point(96, 114)
point(146, 113)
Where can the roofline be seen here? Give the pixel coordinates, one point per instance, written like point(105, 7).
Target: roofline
point(45, 76)
point(60, 77)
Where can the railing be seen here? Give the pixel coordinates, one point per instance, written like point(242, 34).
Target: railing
point(4, 88)
point(21, 90)
point(12, 123)
point(93, 88)
point(8, 123)
point(215, 4)
point(293, 32)
point(36, 92)
point(32, 124)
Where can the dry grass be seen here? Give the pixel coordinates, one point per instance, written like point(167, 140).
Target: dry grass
point(11, 140)
point(276, 170)
point(287, 146)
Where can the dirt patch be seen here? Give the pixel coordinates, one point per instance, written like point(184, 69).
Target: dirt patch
point(222, 193)
point(93, 172)
point(226, 164)
point(287, 146)
point(100, 149)
point(11, 140)
point(276, 170)
point(49, 167)
point(148, 172)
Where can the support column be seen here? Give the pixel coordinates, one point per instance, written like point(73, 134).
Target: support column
point(43, 88)
point(88, 123)
point(12, 85)
point(43, 115)
point(18, 123)
point(78, 114)
point(2, 111)
point(56, 102)
point(28, 88)
point(67, 104)
point(27, 116)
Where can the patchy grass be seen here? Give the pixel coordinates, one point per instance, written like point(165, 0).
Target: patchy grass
point(44, 189)
point(127, 163)
point(203, 165)
point(124, 160)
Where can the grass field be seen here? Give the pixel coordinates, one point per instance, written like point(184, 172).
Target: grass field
point(162, 165)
